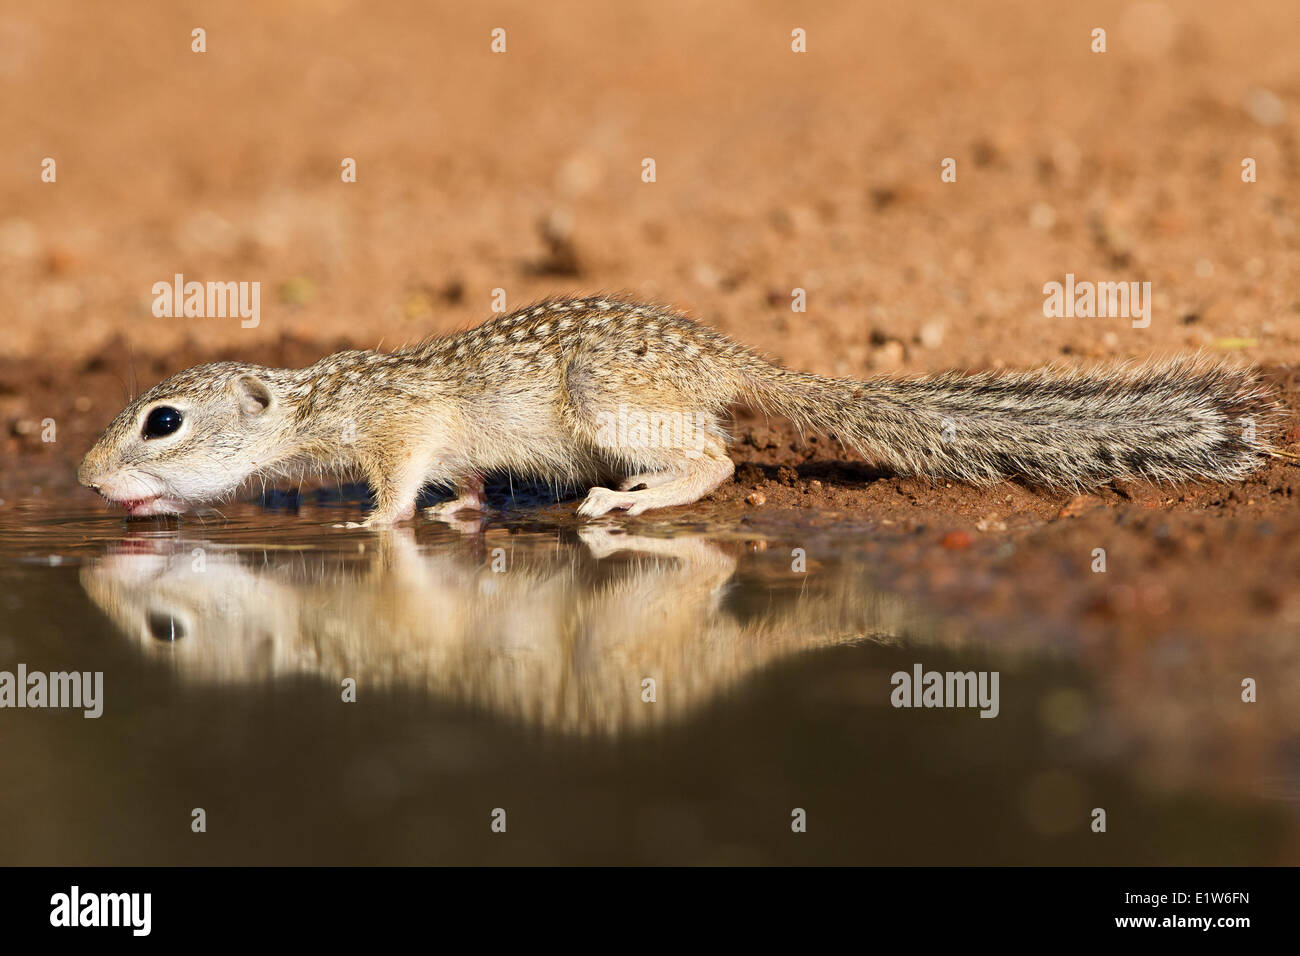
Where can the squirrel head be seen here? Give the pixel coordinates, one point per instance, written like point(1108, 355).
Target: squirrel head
point(193, 438)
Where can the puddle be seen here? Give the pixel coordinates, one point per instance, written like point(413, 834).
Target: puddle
point(643, 691)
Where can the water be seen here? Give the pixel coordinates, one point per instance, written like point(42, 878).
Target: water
point(502, 665)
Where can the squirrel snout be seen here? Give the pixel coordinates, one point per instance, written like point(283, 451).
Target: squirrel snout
point(87, 475)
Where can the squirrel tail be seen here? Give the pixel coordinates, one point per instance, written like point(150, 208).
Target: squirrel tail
point(1177, 420)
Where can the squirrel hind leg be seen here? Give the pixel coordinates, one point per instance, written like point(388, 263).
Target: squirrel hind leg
point(697, 475)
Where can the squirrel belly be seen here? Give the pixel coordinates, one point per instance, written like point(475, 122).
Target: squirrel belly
point(582, 391)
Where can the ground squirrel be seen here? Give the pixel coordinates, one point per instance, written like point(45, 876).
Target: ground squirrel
point(578, 391)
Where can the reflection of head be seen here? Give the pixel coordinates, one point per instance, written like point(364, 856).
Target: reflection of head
point(563, 639)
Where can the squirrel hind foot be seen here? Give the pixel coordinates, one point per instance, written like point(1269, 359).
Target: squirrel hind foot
point(698, 477)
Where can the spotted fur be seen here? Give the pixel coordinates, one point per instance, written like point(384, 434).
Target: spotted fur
point(529, 392)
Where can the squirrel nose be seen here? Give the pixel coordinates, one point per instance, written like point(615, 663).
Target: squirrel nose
point(86, 477)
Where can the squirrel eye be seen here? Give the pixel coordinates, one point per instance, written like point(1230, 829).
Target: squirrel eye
point(163, 420)
point(164, 627)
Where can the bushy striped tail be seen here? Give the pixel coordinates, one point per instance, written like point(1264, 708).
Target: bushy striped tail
point(1184, 419)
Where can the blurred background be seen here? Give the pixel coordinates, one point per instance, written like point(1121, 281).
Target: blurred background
point(775, 170)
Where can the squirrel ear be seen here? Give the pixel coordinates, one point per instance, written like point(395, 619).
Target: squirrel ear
point(254, 395)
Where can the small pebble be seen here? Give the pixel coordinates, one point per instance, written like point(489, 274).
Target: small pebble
point(888, 356)
point(1077, 506)
point(956, 540)
point(756, 498)
point(1265, 107)
point(931, 335)
point(1042, 216)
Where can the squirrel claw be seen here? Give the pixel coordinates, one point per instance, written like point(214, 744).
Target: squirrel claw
point(601, 501)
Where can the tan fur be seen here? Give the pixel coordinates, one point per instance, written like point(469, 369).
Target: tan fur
point(541, 393)
point(556, 642)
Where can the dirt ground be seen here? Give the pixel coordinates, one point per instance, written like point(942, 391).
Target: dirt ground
point(775, 171)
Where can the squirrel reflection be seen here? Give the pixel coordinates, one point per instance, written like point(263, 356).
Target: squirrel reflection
point(568, 640)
